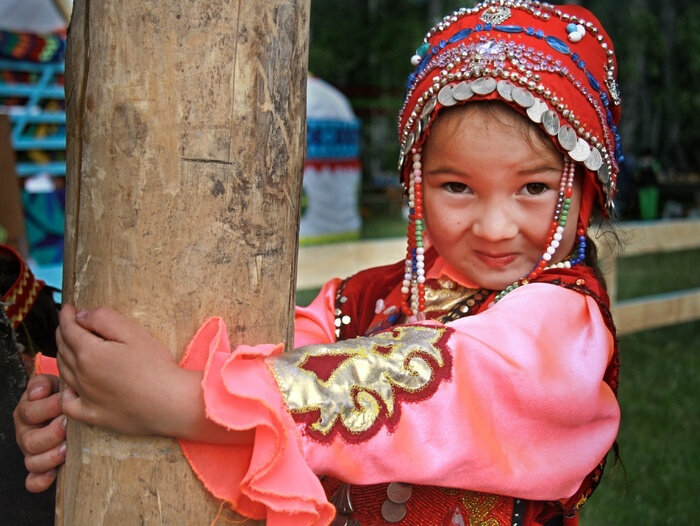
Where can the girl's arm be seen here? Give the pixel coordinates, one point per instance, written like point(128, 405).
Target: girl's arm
point(121, 378)
point(511, 401)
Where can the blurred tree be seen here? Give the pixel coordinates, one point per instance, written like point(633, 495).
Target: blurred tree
point(658, 45)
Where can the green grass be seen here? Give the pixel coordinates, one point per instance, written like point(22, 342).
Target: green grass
point(658, 438)
point(659, 395)
point(642, 275)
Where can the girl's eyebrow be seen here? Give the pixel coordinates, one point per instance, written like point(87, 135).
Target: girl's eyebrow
point(446, 168)
point(539, 168)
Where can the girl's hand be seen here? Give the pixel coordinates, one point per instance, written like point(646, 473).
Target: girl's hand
point(117, 375)
point(40, 430)
point(121, 378)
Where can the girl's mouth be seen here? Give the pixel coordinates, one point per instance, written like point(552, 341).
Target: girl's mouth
point(496, 260)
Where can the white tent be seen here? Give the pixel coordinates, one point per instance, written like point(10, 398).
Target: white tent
point(34, 16)
point(332, 173)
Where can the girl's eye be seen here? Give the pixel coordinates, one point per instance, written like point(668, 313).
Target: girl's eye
point(456, 188)
point(535, 188)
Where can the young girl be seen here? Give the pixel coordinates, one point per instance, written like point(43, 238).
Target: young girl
point(472, 383)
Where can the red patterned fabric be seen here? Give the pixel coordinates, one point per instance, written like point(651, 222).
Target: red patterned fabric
point(20, 297)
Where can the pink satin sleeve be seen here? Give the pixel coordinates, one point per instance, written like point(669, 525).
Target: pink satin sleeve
point(316, 323)
point(526, 412)
point(269, 479)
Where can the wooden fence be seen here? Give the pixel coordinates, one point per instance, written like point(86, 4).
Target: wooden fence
point(317, 264)
point(658, 310)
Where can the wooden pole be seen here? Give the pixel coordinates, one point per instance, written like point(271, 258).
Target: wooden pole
point(186, 141)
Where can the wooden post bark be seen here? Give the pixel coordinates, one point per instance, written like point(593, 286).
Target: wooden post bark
point(186, 140)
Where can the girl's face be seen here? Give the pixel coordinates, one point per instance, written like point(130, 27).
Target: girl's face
point(490, 186)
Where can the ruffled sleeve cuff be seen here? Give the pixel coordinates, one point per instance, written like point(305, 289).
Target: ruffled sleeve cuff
point(45, 365)
point(269, 479)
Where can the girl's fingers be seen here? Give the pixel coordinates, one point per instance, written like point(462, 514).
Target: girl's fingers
point(41, 439)
point(38, 482)
point(41, 386)
point(67, 368)
point(36, 412)
point(71, 337)
point(74, 407)
point(47, 460)
point(71, 404)
point(108, 324)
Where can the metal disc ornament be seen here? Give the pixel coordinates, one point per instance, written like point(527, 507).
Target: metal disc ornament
point(567, 138)
point(399, 492)
point(462, 91)
point(594, 160)
point(445, 97)
point(550, 121)
point(483, 86)
point(505, 89)
point(536, 111)
point(522, 97)
point(393, 512)
point(428, 108)
point(419, 129)
point(581, 152)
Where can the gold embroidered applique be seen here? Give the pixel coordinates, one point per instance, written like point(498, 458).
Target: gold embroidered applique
point(355, 385)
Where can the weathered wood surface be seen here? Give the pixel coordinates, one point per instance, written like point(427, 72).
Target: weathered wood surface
point(186, 140)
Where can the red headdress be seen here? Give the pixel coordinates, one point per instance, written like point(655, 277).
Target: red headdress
point(19, 299)
point(553, 64)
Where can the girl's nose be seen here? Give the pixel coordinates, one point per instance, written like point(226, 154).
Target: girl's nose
point(495, 222)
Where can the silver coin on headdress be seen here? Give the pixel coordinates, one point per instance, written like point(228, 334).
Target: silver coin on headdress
point(604, 174)
point(581, 152)
point(424, 122)
point(483, 85)
point(550, 121)
point(428, 108)
point(567, 137)
point(523, 97)
point(505, 89)
point(536, 111)
point(594, 160)
point(462, 91)
point(445, 96)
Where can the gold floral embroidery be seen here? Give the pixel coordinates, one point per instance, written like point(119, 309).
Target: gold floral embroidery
point(352, 383)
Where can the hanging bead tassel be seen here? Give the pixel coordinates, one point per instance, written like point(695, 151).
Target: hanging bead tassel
point(556, 232)
point(413, 287)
